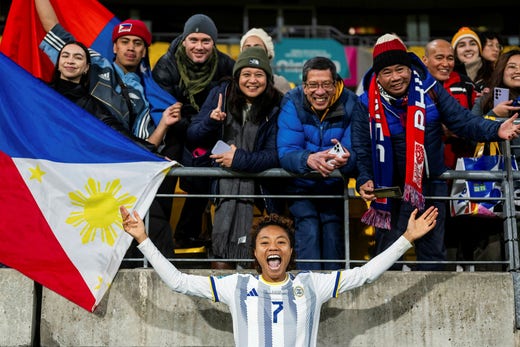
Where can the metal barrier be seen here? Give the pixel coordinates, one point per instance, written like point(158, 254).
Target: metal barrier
point(507, 177)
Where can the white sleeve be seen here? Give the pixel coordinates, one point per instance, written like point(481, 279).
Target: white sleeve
point(176, 280)
point(371, 271)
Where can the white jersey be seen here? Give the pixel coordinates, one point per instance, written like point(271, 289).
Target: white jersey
point(274, 314)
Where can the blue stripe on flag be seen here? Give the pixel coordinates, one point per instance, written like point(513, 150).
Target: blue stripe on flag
point(37, 122)
point(103, 43)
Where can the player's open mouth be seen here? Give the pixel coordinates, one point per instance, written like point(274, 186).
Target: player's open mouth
point(274, 261)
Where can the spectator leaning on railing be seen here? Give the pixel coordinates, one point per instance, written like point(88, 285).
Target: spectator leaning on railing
point(405, 110)
point(439, 59)
point(314, 118)
point(125, 87)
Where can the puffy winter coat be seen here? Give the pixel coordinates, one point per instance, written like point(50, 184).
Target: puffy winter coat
point(301, 132)
point(441, 108)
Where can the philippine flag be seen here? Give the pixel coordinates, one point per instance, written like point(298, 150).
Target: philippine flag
point(88, 20)
point(63, 176)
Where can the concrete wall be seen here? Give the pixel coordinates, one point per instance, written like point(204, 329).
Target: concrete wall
point(400, 309)
point(16, 308)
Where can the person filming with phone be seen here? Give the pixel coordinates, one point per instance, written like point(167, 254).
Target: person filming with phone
point(398, 141)
point(242, 114)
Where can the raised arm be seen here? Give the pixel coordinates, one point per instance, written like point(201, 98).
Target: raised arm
point(46, 13)
point(176, 280)
point(417, 227)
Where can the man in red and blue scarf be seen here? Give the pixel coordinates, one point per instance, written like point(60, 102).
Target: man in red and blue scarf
point(400, 144)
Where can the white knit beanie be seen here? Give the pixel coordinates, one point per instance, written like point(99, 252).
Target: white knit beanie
point(260, 33)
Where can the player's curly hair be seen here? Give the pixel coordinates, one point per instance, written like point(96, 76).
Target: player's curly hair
point(280, 221)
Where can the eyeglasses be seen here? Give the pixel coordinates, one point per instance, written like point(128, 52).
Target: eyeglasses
point(327, 85)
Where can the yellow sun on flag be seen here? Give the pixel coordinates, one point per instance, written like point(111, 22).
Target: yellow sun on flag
point(99, 210)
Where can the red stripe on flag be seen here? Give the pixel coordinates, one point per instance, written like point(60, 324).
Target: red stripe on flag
point(27, 243)
point(87, 26)
point(23, 31)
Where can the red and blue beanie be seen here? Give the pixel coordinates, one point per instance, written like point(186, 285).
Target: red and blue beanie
point(389, 50)
point(132, 27)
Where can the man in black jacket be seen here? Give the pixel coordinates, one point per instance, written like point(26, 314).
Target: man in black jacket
point(190, 68)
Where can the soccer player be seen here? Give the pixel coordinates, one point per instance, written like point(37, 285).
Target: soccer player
point(275, 308)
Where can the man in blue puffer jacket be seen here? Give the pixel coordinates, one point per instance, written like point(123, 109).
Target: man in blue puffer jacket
point(315, 117)
point(398, 142)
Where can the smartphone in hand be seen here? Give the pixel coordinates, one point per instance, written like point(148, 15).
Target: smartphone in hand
point(338, 150)
point(500, 95)
point(220, 147)
point(388, 192)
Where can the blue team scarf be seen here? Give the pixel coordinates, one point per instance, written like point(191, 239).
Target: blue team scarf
point(379, 213)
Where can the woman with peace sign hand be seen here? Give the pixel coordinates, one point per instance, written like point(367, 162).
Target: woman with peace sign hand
point(241, 112)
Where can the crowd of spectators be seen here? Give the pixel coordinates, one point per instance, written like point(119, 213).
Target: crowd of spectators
point(414, 118)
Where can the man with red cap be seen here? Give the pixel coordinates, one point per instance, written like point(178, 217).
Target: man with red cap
point(126, 87)
point(399, 143)
point(127, 90)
